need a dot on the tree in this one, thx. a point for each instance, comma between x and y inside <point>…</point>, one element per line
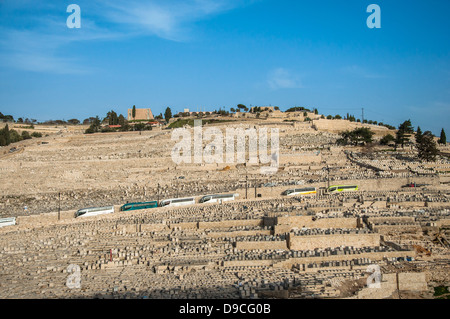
<point>387,139</point>
<point>26,135</point>
<point>427,147</point>
<point>124,126</point>
<point>6,118</point>
<point>418,135</point>
<point>7,135</point>
<point>233,110</point>
<point>14,136</point>
<point>112,118</point>
<point>168,114</point>
<point>133,112</point>
<point>361,135</point>
<point>405,130</point>
<point>443,138</point>
<point>95,126</point>
<point>73,121</point>
<point>96,123</point>
<point>121,120</point>
<point>298,109</point>
<point>89,121</point>
<point>241,106</point>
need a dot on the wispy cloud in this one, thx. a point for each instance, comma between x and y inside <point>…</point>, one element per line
<point>281,78</point>
<point>168,19</point>
<point>38,47</point>
<point>37,43</point>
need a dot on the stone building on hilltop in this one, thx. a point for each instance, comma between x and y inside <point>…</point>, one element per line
<point>141,114</point>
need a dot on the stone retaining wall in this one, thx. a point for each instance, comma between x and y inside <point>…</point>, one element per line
<point>331,241</point>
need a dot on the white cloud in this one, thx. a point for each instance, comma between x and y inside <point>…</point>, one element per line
<point>168,19</point>
<point>38,46</point>
<point>281,78</point>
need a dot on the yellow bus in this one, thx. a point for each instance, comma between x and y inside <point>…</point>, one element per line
<point>342,188</point>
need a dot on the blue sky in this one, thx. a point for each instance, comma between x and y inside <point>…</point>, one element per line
<point>202,54</point>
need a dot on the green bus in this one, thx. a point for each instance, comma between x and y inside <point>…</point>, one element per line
<point>342,188</point>
<point>136,206</point>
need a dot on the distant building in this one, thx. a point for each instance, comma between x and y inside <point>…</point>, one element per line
<point>141,114</point>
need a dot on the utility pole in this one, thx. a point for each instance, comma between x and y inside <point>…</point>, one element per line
<point>59,206</point>
<point>246,185</point>
<point>362,115</point>
<point>328,177</point>
<point>158,192</point>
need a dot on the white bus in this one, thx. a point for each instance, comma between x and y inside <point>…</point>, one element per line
<point>10,221</point>
<point>300,191</point>
<point>177,202</point>
<point>218,198</point>
<point>94,211</point>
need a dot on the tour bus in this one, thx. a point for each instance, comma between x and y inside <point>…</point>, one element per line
<point>218,198</point>
<point>9,221</point>
<point>342,188</point>
<point>136,206</point>
<point>300,191</point>
<point>94,211</point>
<point>177,202</point>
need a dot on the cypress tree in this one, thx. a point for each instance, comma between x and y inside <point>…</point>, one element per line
<point>443,138</point>
<point>2,137</point>
<point>7,135</point>
<point>168,114</point>
<point>418,135</point>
